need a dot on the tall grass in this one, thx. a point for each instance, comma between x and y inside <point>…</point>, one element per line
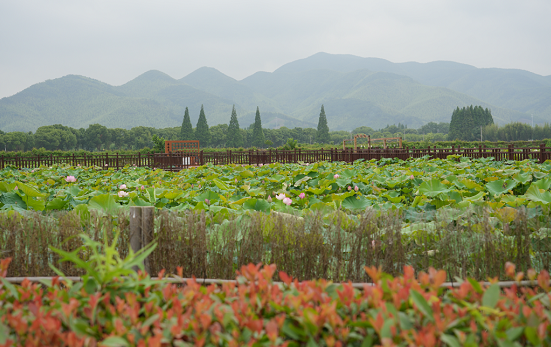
<point>334,247</point>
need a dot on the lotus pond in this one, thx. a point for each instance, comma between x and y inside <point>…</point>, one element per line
<point>414,185</point>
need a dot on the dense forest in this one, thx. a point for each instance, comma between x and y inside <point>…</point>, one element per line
<point>98,137</point>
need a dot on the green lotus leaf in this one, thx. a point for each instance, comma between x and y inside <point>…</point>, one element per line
<point>257,205</point>
<point>433,188</point>
<point>12,199</point>
<point>469,184</point>
<point>246,173</point>
<point>56,204</point>
<point>538,195</point>
<point>499,187</point>
<point>543,183</point>
<point>37,205</point>
<point>29,191</point>
<point>105,202</point>
<point>210,195</point>
<point>355,203</point>
<point>523,178</point>
<point>220,184</point>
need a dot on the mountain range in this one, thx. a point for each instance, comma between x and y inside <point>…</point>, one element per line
<point>355,91</point>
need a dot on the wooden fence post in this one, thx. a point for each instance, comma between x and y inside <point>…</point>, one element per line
<point>510,150</point>
<point>141,230</point>
<point>542,153</point>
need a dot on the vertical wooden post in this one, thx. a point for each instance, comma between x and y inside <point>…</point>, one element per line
<point>117,160</point>
<point>510,150</point>
<point>201,158</point>
<point>542,153</point>
<point>141,229</point>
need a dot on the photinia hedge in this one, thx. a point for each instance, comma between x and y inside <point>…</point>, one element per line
<point>115,306</point>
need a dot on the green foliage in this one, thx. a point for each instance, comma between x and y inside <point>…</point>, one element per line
<point>202,132</point>
<point>291,144</point>
<point>258,139</point>
<point>466,123</point>
<point>234,138</point>
<point>114,306</point>
<point>186,131</point>
<point>322,135</point>
<point>159,142</point>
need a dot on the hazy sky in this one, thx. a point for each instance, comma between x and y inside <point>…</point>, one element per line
<point>114,41</point>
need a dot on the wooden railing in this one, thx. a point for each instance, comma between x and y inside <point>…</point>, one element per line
<point>179,161</point>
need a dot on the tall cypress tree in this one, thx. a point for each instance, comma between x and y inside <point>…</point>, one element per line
<point>322,135</point>
<point>234,137</point>
<point>186,131</point>
<point>455,124</point>
<point>258,134</point>
<point>202,132</point>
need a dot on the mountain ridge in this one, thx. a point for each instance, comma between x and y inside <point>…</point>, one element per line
<point>355,91</point>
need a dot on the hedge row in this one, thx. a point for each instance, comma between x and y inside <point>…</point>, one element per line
<point>115,306</point>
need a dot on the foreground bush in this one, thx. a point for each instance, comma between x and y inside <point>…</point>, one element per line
<point>115,306</point>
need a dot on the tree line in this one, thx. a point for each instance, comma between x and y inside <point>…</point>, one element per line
<point>98,137</point>
<point>464,126</point>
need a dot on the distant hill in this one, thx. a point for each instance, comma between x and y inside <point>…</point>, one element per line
<point>355,91</point>
<point>513,89</point>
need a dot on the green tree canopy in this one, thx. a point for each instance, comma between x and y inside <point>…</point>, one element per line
<point>323,129</point>
<point>55,137</point>
<point>96,135</point>
<point>202,132</point>
<point>466,123</point>
<point>258,139</point>
<point>234,138</point>
<point>186,131</point>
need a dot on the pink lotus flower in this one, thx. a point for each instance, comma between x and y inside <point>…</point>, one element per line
<point>260,164</point>
<point>336,176</point>
<point>70,179</point>
<point>411,177</point>
<point>287,201</point>
<point>207,201</point>
<point>106,164</point>
<point>269,199</point>
<point>356,188</point>
<point>349,188</point>
<point>302,195</point>
<point>15,188</point>
<point>280,196</point>
<point>123,186</point>
<point>142,187</point>
<point>122,194</point>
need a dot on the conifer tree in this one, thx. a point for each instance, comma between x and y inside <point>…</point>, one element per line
<point>186,131</point>
<point>455,124</point>
<point>234,137</point>
<point>202,132</point>
<point>258,134</point>
<point>322,135</point>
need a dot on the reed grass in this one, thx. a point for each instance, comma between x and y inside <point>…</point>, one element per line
<point>332,246</point>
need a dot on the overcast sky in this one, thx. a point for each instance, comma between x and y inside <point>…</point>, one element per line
<point>114,41</point>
